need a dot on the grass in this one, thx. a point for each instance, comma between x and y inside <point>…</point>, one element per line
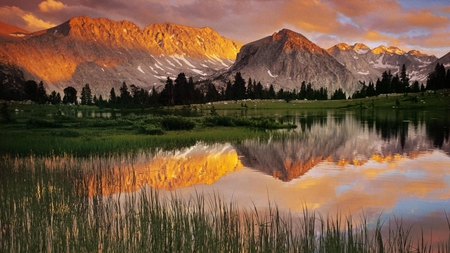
<point>45,207</point>
<point>43,130</point>
<point>85,136</point>
<point>427,100</point>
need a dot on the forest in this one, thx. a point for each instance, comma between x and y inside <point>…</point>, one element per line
<point>184,91</point>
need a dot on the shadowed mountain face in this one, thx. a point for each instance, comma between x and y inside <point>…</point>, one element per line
<point>105,53</point>
<point>367,64</point>
<point>286,59</point>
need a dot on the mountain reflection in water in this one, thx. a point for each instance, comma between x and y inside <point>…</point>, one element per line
<point>164,170</point>
<point>343,140</point>
<point>348,163</point>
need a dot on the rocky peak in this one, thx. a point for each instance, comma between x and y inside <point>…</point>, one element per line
<point>8,29</point>
<point>173,39</point>
<point>379,50</point>
<point>338,48</point>
<point>389,50</point>
<point>293,41</point>
<point>417,53</point>
<point>360,48</point>
<point>101,31</point>
<point>285,59</point>
<point>395,50</point>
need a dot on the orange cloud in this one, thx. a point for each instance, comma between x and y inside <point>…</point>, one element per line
<point>424,18</point>
<point>310,16</point>
<point>51,5</point>
<point>34,23</point>
<point>361,8</point>
<point>27,20</point>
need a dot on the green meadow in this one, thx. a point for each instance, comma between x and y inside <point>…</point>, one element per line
<point>46,207</point>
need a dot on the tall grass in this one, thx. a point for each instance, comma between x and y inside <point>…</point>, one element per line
<point>46,207</point>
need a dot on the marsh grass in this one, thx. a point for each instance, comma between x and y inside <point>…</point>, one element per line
<point>46,207</point>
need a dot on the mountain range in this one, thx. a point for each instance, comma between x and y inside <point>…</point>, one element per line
<point>106,53</point>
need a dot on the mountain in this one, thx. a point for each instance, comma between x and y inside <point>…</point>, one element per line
<point>368,64</point>
<point>423,73</point>
<point>286,59</point>
<point>105,53</point>
<point>9,33</point>
<point>352,57</point>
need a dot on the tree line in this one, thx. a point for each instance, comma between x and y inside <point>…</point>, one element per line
<point>389,83</point>
<point>183,91</point>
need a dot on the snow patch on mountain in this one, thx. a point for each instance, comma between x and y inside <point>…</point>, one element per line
<point>380,65</point>
<point>362,51</point>
<point>214,57</point>
<point>140,69</point>
<point>182,58</point>
<point>199,72</point>
<point>270,74</point>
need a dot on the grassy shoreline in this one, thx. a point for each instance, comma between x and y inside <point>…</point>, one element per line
<point>45,129</point>
<point>45,207</point>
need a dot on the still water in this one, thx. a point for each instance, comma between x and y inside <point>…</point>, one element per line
<point>391,166</point>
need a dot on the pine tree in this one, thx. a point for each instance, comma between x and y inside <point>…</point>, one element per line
<point>259,91</point>
<point>167,94</point>
<point>112,96</point>
<point>229,91</point>
<point>212,94</point>
<point>125,96</point>
<point>404,79</point>
<point>239,89</point>
<point>271,93</point>
<point>54,98</point>
<point>41,94</point>
<point>302,93</point>
<point>70,95</point>
<point>180,92</point>
<point>31,90</point>
<point>86,95</point>
<point>436,79</point>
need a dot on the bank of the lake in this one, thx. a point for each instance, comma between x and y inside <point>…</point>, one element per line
<point>85,130</point>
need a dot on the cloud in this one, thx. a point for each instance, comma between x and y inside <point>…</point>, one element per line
<point>34,23</point>
<point>350,21</point>
<point>26,20</point>
<point>51,5</point>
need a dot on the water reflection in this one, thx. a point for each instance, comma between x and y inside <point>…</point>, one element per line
<point>343,139</point>
<point>199,164</point>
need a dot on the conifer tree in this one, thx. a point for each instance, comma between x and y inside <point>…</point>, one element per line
<point>167,94</point>
<point>41,94</point>
<point>70,95</point>
<point>181,90</point>
<point>112,96</point>
<point>239,89</point>
<point>125,96</point>
<point>404,79</point>
<point>86,95</point>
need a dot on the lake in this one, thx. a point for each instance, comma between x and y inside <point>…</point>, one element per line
<point>390,167</point>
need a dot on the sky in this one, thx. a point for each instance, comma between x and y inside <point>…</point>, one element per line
<point>423,25</point>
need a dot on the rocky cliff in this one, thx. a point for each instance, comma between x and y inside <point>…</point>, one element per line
<point>368,64</point>
<point>286,59</point>
<point>105,53</point>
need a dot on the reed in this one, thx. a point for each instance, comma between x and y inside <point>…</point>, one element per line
<point>46,207</point>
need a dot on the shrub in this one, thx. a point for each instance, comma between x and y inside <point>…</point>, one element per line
<point>42,123</point>
<point>177,123</point>
<point>150,130</point>
<point>67,133</point>
<point>218,121</point>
